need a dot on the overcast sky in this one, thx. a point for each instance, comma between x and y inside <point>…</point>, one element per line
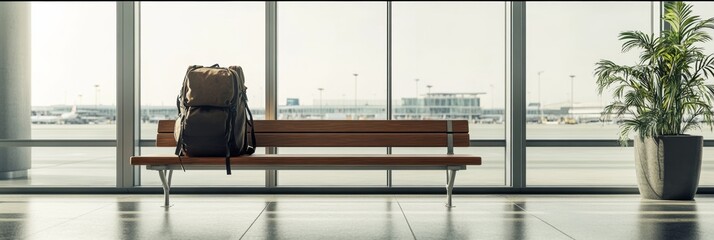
<point>452,46</point>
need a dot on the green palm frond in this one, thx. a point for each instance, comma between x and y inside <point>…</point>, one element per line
<point>665,93</point>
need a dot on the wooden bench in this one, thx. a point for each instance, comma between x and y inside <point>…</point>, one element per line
<point>332,133</point>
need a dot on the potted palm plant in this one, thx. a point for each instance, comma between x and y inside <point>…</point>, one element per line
<point>661,98</point>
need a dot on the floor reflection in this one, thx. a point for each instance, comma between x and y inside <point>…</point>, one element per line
<point>330,220</point>
<point>517,227</point>
<point>668,220</point>
<point>354,217</point>
<point>272,229</point>
<point>13,225</point>
<point>129,214</point>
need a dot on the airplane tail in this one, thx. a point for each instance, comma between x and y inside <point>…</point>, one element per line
<point>74,109</point>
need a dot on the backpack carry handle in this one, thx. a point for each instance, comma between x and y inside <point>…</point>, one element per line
<point>215,65</point>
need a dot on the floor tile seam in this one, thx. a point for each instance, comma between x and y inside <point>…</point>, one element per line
<point>549,224</point>
<point>62,164</point>
<point>255,220</point>
<point>506,197</point>
<point>66,221</point>
<point>405,218</point>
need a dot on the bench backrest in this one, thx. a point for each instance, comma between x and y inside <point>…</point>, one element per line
<point>346,133</point>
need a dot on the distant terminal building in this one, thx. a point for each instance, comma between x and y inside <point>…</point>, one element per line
<point>440,106</point>
<point>292,102</point>
<point>427,106</point>
<point>67,114</point>
<point>430,106</point>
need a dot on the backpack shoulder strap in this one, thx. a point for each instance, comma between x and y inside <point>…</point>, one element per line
<point>250,149</point>
<point>180,104</point>
<point>238,71</point>
<point>182,95</point>
<point>250,142</point>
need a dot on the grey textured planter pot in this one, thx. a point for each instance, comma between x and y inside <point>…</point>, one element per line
<point>668,167</point>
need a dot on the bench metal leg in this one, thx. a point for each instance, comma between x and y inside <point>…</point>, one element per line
<point>450,177</point>
<point>166,184</point>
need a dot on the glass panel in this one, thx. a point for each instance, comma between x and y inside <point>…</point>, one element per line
<point>66,166</point>
<point>227,33</point>
<point>593,166</point>
<point>77,100</point>
<point>332,60</point>
<point>201,177</point>
<point>332,65</point>
<point>706,178</point>
<point>332,178</point>
<point>448,64</point>
<point>490,173</point>
<point>564,42</point>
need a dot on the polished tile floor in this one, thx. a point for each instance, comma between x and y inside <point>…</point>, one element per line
<point>354,217</point>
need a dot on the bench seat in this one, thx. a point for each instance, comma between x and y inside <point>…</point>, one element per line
<point>330,133</point>
<point>317,159</point>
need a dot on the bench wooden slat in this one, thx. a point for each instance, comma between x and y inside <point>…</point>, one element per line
<point>166,126</point>
<point>345,126</point>
<point>321,159</point>
<point>343,140</point>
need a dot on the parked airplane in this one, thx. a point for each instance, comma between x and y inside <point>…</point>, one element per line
<point>64,118</point>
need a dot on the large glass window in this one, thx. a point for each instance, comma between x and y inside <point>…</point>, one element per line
<point>332,64</point>
<point>564,42</point>
<point>449,62</point>
<point>593,166</point>
<point>67,167</point>
<point>490,173</point>
<point>177,35</point>
<point>332,60</point>
<point>73,70</point>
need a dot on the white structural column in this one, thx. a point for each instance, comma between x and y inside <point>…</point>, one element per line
<point>15,87</point>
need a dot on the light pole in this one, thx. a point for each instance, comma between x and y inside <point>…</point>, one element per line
<point>96,95</point>
<point>493,97</point>
<point>572,96</point>
<point>540,103</point>
<point>416,82</point>
<point>416,99</point>
<point>428,100</point>
<point>80,99</point>
<point>355,110</point>
<point>321,114</point>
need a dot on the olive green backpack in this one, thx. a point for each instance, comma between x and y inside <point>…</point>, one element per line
<point>214,118</point>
